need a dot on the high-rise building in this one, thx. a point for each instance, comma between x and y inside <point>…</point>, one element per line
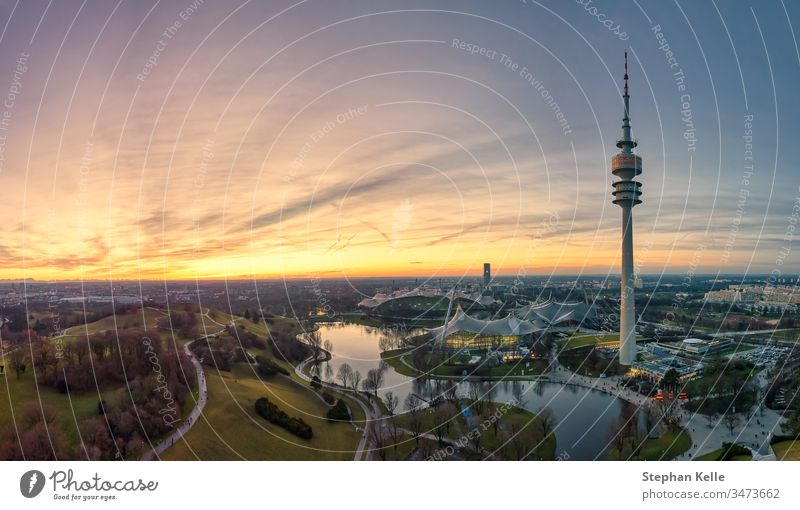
<point>487,274</point>
<point>627,192</point>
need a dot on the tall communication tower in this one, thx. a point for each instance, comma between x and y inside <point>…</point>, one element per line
<point>627,192</point>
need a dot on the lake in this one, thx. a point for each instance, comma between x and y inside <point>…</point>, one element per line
<point>583,416</point>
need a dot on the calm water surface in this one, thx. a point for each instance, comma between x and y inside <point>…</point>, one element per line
<point>583,416</point>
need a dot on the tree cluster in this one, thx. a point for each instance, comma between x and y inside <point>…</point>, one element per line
<point>287,347</point>
<point>152,387</point>
<point>227,348</point>
<point>268,368</point>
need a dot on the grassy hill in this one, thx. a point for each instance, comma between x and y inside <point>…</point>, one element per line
<point>229,428</point>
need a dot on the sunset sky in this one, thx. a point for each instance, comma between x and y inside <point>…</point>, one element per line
<point>199,139</point>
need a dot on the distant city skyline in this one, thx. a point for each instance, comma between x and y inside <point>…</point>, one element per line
<point>422,139</point>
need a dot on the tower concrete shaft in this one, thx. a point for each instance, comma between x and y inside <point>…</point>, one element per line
<point>627,192</point>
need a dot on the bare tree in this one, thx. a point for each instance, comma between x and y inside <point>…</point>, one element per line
<point>374,381</point>
<point>731,420</point>
<point>546,420</point>
<point>450,393</point>
<point>413,402</point>
<point>616,435</point>
<point>518,394</point>
<point>490,391</point>
<point>652,417</point>
<point>355,379</point>
<point>392,401</point>
<point>475,396</point>
<point>344,374</point>
<point>17,358</point>
<point>421,360</point>
<point>668,408</point>
<point>314,340</point>
<point>377,436</point>
<point>522,439</point>
<point>395,434</point>
<point>440,418</point>
<point>385,344</point>
<point>415,417</point>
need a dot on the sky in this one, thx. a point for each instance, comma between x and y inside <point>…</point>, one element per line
<point>192,139</point>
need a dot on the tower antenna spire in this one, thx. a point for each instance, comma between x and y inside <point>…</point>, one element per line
<point>626,143</point>
<point>626,74</point>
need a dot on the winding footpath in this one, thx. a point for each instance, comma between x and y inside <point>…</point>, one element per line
<point>184,427</point>
<point>372,414</point>
<point>177,434</point>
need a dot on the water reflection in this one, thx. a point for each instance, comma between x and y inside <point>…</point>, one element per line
<point>584,417</point>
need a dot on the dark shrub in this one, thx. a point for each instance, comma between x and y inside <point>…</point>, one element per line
<point>62,386</point>
<point>339,412</point>
<point>273,414</point>
<point>729,451</point>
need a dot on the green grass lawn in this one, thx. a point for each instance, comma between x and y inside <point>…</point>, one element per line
<point>735,349</point>
<point>593,366</point>
<point>262,329</point>
<point>392,358</point>
<point>137,319</point>
<point>787,450</point>
<point>666,447</point>
<point>583,339</point>
<point>231,430</point>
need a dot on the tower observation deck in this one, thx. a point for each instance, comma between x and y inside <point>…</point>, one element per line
<point>627,193</point>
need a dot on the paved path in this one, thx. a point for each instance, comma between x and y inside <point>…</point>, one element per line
<point>754,432</point>
<point>371,415</point>
<point>184,427</point>
<point>190,420</point>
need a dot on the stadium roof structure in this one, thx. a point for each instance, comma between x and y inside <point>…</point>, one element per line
<point>553,312</point>
<point>507,326</point>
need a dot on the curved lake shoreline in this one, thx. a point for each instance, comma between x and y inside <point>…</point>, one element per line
<point>584,415</point>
